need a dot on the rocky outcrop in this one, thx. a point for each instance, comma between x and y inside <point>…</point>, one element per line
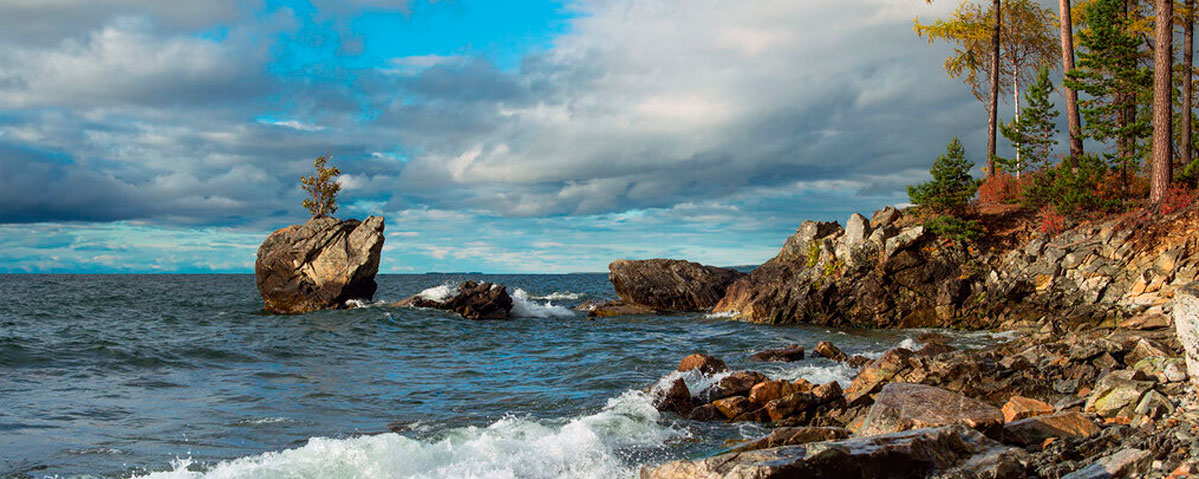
<point>670,285</point>
<point>471,300</point>
<point>1186,322</point>
<point>893,273</point>
<point>949,451</point>
<point>320,264</point>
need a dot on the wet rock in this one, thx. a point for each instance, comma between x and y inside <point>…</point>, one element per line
<point>477,301</point>
<point>912,454</point>
<point>1019,407</point>
<point>1120,464</point>
<point>904,406</point>
<point>784,355</point>
<point>736,384</point>
<point>872,377</point>
<point>320,264</point>
<point>857,361</point>
<point>734,406</point>
<point>767,391</point>
<point>607,309</point>
<point>791,405</point>
<point>830,351</point>
<point>670,285</point>
<point>704,363</point>
<point>933,349</point>
<point>794,436</point>
<point>1035,430</point>
<point>676,398</point>
<point>1117,393</point>
<point>706,412</point>
<point>827,392</point>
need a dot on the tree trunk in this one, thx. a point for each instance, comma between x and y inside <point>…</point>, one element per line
<point>1067,66</point>
<point>1188,61</point>
<point>1016,102</point>
<point>1162,65</point>
<point>992,122</point>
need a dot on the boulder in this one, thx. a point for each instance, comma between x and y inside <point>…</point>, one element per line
<point>828,350</point>
<point>827,392</point>
<point>912,454</point>
<point>1186,325</point>
<point>904,240</point>
<point>1120,464</point>
<point>733,407</point>
<point>704,363</point>
<point>794,436</point>
<point>739,383</point>
<point>857,229</point>
<point>1146,321</point>
<point>783,355</point>
<point>904,406</point>
<point>767,391</point>
<point>791,405</point>
<point>320,264</point>
<point>876,374</point>
<point>670,285</point>
<point>885,217</point>
<point>471,300</point>
<point>1020,407</point>
<point>675,398</point>
<point>1118,393</point>
<point>1034,431</point>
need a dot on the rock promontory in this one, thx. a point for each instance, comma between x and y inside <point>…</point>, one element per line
<point>670,285</point>
<point>320,264</point>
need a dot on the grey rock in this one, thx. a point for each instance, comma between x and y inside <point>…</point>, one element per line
<point>320,264</point>
<point>1119,464</point>
<point>857,229</point>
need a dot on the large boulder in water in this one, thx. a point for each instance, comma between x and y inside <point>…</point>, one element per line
<point>470,300</point>
<point>670,285</point>
<point>320,264</point>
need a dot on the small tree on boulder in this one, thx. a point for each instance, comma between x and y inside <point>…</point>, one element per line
<point>952,187</point>
<point>322,188</point>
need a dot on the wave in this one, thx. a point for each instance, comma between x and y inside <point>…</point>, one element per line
<point>589,447</point>
<point>559,296</point>
<point>439,293</point>
<point>524,307</point>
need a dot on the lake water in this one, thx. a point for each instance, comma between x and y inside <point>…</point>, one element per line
<point>182,376</point>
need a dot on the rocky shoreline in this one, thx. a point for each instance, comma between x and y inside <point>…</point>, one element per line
<point>1101,402</point>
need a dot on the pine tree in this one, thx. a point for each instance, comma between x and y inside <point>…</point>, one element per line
<point>952,186</point>
<point>1034,132</point>
<point>1111,73</point>
<point>322,188</point>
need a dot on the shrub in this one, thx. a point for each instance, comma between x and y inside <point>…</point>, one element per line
<point>322,188</point>
<point>951,187</point>
<point>954,228</point>
<point>1176,199</point>
<point>1052,222</point>
<point>1000,188</point>
<point>1073,191</point>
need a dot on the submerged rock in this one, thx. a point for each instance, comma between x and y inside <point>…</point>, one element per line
<point>670,285</point>
<point>471,300</point>
<point>911,454</point>
<point>320,264</point>
<point>607,309</point>
<point>704,363</point>
<point>788,354</point>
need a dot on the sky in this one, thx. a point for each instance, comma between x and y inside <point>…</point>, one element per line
<point>145,136</point>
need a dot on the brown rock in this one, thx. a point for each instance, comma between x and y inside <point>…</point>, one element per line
<point>767,391</point>
<point>828,350</point>
<point>320,264</point>
<point>790,405</point>
<point>1020,407</point>
<point>670,285</point>
<point>706,412</point>
<point>1035,430</point>
<point>477,301</point>
<point>876,374</point>
<point>933,349</point>
<point>904,406</point>
<point>618,307</point>
<point>783,355</point>
<point>857,361</point>
<point>827,392</point>
<point>1145,349</point>
<point>794,436</point>
<point>675,398</point>
<point>704,363</point>
<point>733,406</point>
<point>953,451</point>
<point>736,384</point>
<point>1147,321</point>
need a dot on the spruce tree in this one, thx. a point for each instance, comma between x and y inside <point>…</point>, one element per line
<point>952,186</point>
<point>1034,132</point>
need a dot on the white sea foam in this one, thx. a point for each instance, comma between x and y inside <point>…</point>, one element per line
<point>721,315</point>
<point>524,307</point>
<point>439,293</point>
<point>697,382</point>
<point>840,372</point>
<point>559,296</point>
<point>588,447</point>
